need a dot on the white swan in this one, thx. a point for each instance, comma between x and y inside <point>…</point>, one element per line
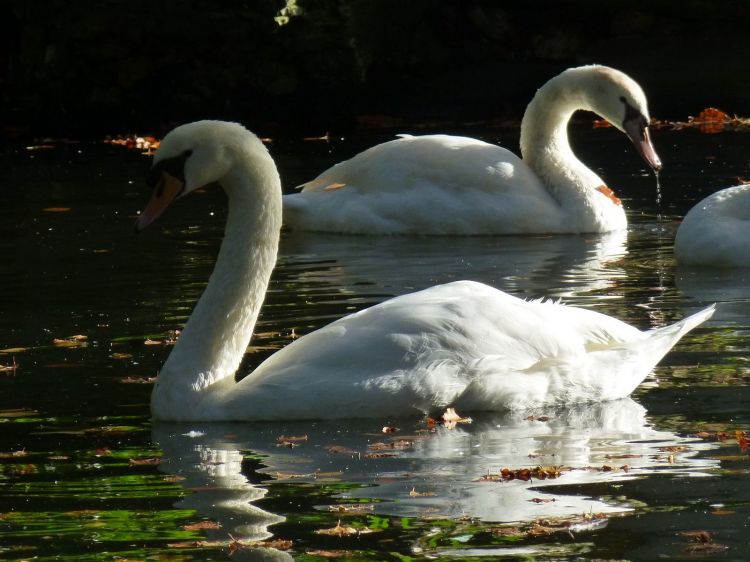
<point>716,231</point>
<point>441,184</point>
<point>463,343</point>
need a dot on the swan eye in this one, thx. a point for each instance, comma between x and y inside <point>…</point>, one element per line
<point>174,166</point>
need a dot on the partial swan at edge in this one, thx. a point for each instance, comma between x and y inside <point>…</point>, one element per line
<point>716,231</point>
<point>463,344</point>
<point>442,184</point>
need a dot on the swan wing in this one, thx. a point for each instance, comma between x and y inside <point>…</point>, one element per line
<point>433,184</point>
<point>462,343</point>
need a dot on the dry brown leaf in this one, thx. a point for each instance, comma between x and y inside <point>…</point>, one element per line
<point>71,341</point>
<point>56,209</point>
<point>330,553</point>
<point>152,461</point>
<point>389,429</point>
<point>341,450</point>
<point>341,531</point>
<point>12,368</point>
<point>138,380</point>
<point>201,525</point>
<point>14,454</point>
<point>351,508</point>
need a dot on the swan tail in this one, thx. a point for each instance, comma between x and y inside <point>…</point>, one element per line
<point>631,363</point>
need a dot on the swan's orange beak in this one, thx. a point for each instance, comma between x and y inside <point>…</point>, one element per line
<point>638,133</point>
<point>166,190</point>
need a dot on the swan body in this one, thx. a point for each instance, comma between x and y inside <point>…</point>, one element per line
<point>450,185</point>
<point>716,231</point>
<point>461,344</point>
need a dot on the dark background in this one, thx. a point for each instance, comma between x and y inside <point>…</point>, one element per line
<point>88,68</point>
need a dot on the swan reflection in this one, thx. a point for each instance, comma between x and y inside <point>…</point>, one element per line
<point>586,441</point>
<point>730,287</point>
<point>533,265</point>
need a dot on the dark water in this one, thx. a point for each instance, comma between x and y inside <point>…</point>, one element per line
<point>84,475</point>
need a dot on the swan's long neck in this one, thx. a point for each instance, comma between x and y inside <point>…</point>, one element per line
<point>218,331</point>
<point>546,149</point>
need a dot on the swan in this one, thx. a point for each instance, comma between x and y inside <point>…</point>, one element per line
<point>716,231</point>
<point>461,344</point>
<point>451,185</point>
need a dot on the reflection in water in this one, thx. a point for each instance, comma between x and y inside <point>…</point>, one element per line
<point>212,472</point>
<point>522,265</point>
<point>446,463</point>
<point>730,287</point>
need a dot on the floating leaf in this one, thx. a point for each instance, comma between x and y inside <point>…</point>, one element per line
<point>56,209</point>
<point>138,380</point>
<point>389,429</point>
<point>340,450</point>
<point>152,461</point>
<point>343,531</point>
<point>71,341</point>
<point>523,474</point>
<point>201,525</point>
<point>351,508</point>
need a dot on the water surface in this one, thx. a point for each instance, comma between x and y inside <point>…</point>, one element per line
<point>84,475</point>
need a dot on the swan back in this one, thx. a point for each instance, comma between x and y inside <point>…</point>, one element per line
<point>715,232</point>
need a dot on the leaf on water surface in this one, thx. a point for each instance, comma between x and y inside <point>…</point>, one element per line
<point>415,494</point>
<point>138,380</point>
<point>58,458</point>
<point>13,454</point>
<point>538,418</point>
<point>341,450</point>
<point>144,144</point>
<point>703,542</point>
<point>56,209</point>
<point>12,368</point>
<point>351,508</point>
<point>673,449</point>
<point>549,526</point>
<point>523,474</point>
<point>720,511</point>
<point>14,350</point>
<point>451,418</point>
<point>344,531</point>
<point>741,440</point>
<point>71,341</point>
<point>542,500</point>
<point>18,413</point>
<point>379,455</point>
<point>119,355</point>
<point>102,452</point>
<point>201,525</point>
<point>397,444</point>
<point>713,435</point>
<point>151,461</point>
<point>170,339</point>
<point>173,478</point>
<point>290,441</point>
<point>331,553</point>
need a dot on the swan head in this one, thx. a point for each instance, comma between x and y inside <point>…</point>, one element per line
<point>620,100</point>
<point>189,157</point>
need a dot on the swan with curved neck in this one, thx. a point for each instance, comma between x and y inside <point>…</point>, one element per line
<point>462,344</point>
<point>441,184</point>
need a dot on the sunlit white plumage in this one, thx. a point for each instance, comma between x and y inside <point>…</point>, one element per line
<point>463,344</point>
<point>442,184</point>
<point>716,231</point>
